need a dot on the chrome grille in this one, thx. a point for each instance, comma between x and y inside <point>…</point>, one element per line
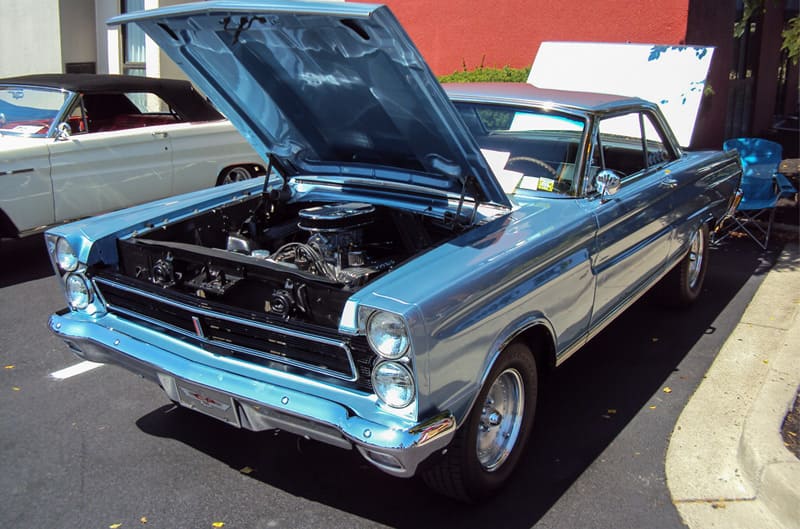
<point>344,358</point>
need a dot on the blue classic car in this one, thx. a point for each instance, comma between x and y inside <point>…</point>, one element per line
<point>419,258</point>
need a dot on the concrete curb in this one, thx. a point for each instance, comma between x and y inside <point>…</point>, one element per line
<point>726,463</point>
<point>766,462</point>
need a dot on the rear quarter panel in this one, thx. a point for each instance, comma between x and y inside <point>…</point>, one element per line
<point>200,151</point>
<point>706,183</point>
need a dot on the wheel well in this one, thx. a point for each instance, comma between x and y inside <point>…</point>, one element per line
<point>542,345</point>
<point>7,227</point>
<point>254,168</point>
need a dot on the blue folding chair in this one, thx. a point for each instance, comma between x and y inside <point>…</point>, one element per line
<point>760,188</point>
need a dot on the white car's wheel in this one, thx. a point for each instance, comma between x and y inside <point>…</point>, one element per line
<point>236,173</point>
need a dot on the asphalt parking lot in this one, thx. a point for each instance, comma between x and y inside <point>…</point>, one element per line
<point>102,447</point>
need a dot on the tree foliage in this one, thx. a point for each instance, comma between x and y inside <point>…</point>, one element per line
<point>790,33</point>
<point>791,39</point>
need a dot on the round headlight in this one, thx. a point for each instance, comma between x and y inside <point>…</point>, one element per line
<point>387,335</point>
<point>393,384</point>
<point>79,295</point>
<point>66,258</point>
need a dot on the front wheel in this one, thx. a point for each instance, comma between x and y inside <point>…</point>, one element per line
<point>236,173</point>
<point>488,445</point>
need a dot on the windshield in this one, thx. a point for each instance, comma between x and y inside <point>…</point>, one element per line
<point>530,151</point>
<point>29,111</point>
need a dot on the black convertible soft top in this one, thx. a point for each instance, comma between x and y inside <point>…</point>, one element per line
<point>180,95</point>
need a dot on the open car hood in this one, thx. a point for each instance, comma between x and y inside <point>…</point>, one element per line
<point>326,87</point>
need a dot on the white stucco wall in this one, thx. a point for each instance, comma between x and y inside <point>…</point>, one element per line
<point>168,68</point>
<point>30,37</point>
<point>77,44</point>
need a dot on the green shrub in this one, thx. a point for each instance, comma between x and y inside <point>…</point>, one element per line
<point>506,74</point>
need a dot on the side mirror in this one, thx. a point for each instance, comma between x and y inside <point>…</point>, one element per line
<point>607,182</point>
<point>63,131</point>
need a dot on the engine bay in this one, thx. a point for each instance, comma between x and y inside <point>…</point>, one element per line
<point>275,260</point>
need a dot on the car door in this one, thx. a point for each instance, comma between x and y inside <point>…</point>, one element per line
<point>633,235</point>
<point>108,166</point>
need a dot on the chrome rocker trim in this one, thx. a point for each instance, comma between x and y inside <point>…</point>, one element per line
<point>264,406</point>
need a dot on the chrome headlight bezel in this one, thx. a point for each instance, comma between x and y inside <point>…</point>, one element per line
<point>387,334</point>
<point>79,291</point>
<point>394,384</point>
<point>65,256</point>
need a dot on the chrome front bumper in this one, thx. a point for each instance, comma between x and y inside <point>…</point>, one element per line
<point>397,449</point>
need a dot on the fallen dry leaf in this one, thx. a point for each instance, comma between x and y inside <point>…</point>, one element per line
<point>115,526</point>
<point>9,366</point>
<point>652,407</point>
<point>15,388</point>
<point>612,411</point>
<point>246,470</point>
<point>667,389</point>
<point>218,524</point>
<point>143,519</point>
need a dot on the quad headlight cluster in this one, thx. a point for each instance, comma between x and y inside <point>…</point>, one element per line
<point>67,264</point>
<point>392,379</point>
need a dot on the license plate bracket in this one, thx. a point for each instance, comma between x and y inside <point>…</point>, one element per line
<point>208,401</point>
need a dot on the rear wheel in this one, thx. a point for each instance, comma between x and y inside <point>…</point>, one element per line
<point>683,284</point>
<point>236,173</point>
<point>488,445</point>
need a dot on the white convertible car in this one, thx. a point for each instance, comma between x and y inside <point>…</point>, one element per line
<point>75,145</point>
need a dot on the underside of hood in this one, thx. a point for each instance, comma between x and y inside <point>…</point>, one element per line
<point>326,87</point>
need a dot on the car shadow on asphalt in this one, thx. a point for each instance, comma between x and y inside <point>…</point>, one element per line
<point>584,405</point>
<point>23,260</point>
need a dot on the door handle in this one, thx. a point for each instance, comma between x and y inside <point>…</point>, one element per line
<point>668,183</point>
<point>160,134</point>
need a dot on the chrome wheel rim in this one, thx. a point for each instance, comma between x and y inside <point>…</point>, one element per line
<point>501,419</point>
<point>696,257</point>
<point>237,174</point>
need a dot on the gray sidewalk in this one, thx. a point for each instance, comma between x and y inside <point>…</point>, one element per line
<point>727,466</point>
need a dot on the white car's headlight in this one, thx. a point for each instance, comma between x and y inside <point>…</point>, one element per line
<point>79,294</point>
<point>387,334</point>
<point>393,384</point>
<point>66,258</point>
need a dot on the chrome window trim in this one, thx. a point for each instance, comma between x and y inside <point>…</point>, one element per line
<point>233,319</point>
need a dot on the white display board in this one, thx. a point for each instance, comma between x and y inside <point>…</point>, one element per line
<point>672,76</point>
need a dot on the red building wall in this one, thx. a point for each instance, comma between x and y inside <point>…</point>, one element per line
<point>451,33</point>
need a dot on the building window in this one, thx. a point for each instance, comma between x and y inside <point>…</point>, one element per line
<point>133,52</point>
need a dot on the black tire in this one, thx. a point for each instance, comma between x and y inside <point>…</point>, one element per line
<point>237,173</point>
<point>467,473</point>
<point>683,284</point>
